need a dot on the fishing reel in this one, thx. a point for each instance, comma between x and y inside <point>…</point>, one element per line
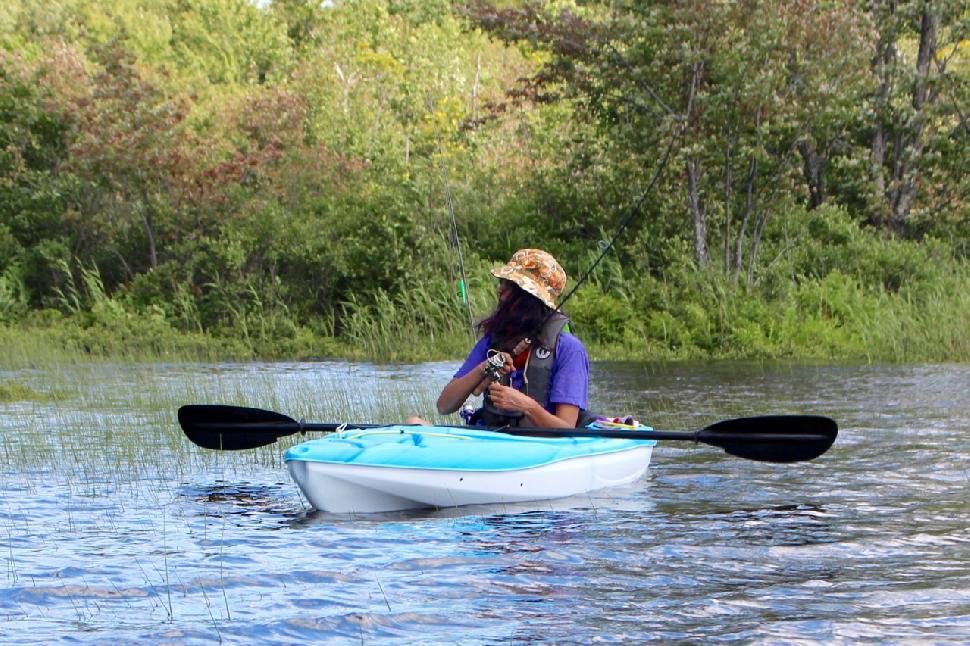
<point>494,364</point>
<point>496,361</point>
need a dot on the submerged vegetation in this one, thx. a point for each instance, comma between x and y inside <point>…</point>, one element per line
<point>228,179</point>
<point>14,391</point>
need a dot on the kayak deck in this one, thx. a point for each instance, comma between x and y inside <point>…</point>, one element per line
<point>406,467</point>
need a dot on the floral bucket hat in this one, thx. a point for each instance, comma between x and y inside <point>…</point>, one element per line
<point>537,272</point>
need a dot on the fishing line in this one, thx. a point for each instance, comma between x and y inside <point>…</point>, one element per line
<point>463,281</point>
<point>607,245</point>
<point>624,224</point>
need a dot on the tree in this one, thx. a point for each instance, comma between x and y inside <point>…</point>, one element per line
<point>733,89</point>
<point>913,104</point>
<point>228,41</point>
<point>35,190</point>
<point>127,145</point>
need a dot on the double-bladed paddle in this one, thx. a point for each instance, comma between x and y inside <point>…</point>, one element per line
<point>769,438</point>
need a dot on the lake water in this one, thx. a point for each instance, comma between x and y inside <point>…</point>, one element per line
<point>114,529</point>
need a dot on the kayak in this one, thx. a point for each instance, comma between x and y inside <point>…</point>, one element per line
<point>397,467</point>
<point>363,468</point>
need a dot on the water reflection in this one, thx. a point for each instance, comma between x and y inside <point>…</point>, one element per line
<point>237,498</point>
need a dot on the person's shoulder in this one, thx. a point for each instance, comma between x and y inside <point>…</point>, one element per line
<point>569,342</point>
<point>483,341</point>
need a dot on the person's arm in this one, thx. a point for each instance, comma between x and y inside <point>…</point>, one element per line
<point>470,380</point>
<point>458,389</point>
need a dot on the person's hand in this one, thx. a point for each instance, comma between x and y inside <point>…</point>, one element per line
<point>508,398</point>
<point>507,365</point>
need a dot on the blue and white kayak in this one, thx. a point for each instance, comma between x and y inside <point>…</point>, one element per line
<point>406,467</point>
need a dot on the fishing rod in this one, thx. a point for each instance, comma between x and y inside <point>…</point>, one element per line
<point>621,229</point>
<point>624,224</point>
<point>495,361</point>
<point>463,280</point>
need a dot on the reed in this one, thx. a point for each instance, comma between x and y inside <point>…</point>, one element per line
<point>930,325</point>
<point>114,419</point>
<point>835,317</point>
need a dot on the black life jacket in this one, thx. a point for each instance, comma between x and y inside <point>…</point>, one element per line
<point>537,376</point>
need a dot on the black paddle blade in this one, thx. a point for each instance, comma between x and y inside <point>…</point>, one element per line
<point>233,428</point>
<point>773,438</point>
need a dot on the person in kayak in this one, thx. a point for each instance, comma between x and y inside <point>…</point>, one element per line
<point>530,371</point>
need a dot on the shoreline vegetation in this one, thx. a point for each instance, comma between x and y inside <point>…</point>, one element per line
<point>833,319</point>
<point>235,180</point>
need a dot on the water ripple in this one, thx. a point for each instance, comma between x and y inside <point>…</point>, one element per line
<point>114,529</point>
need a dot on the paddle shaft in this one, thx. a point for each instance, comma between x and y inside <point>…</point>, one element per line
<point>297,427</point>
<point>529,431</point>
<point>767,438</point>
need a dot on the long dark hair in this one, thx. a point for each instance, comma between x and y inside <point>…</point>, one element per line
<point>517,315</point>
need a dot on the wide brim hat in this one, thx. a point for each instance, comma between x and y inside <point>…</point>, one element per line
<point>536,272</point>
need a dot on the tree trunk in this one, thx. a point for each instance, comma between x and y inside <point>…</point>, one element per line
<point>813,168</point>
<point>877,160</point>
<point>478,73</point>
<point>882,64</point>
<point>756,243</point>
<point>694,202</point>
<point>698,217</point>
<point>150,234</point>
<point>899,137</point>
<point>906,183</point>
<point>745,219</point>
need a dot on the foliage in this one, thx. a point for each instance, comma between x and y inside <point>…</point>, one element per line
<point>247,179</point>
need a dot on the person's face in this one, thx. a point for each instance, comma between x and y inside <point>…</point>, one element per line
<point>504,289</point>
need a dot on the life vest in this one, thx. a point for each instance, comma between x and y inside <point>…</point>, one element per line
<point>536,377</point>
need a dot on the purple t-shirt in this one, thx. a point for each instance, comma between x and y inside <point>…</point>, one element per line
<point>570,371</point>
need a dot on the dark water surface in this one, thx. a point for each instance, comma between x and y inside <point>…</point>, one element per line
<point>113,529</point>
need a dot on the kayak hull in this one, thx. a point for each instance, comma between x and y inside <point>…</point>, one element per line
<point>406,469</point>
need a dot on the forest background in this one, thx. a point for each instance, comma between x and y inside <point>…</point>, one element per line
<point>228,179</point>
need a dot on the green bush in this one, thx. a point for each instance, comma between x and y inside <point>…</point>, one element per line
<point>837,243</point>
<point>604,318</point>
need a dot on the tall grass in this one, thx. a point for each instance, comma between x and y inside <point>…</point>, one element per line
<point>835,317</point>
<point>119,420</point>
<point>888,304</point>
<point>68,341</point>
<point>933,325</point>
<point>425,322</point>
